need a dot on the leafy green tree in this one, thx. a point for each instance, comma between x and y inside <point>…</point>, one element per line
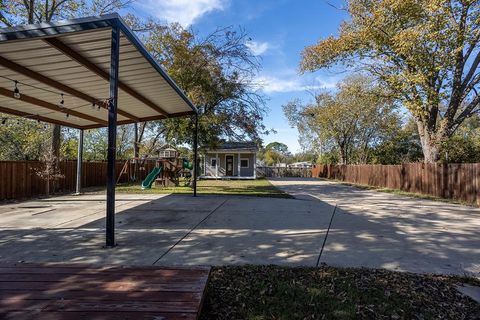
<point>217,72</point>
<point>426,51</point>
<point>274,153</point>
<point>353,120</point>
<point>402,146</point>
<point>329,157</point>
<point>305,156</point>
<point>278,147</point>
<point>464,145</point>
<point>22,139</point>
<point>15,12</point>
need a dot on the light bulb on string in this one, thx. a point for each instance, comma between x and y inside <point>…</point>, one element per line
<point>67,115</point>
<point>16,91</point>
<point>4,120</point>
<point>62,102</point>
<point>93,105</point>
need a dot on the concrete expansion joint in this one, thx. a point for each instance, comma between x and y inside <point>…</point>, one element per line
<point>190,231</point>
<point>326,235</point>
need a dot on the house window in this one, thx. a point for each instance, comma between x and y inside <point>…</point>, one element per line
<point>213,162</point>
<point>244,163</point>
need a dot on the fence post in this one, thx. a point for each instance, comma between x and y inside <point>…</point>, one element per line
<point>445,192</point>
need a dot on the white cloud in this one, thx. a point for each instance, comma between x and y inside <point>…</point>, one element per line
<point>292,83</point>
<point>258,48</point>
<point>184,12</point>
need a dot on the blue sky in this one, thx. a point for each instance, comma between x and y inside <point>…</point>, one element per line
<point>279,29</point>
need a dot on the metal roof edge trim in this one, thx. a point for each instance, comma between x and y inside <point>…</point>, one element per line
<point>50,29</point>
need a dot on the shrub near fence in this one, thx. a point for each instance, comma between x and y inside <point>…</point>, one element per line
<point>450,181</point>
<point>279,172</point>
<point>19,180</point>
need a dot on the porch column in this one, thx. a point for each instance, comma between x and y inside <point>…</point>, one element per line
<point>216,165</point>
<point>255,165</point>
<point>238,164</point>
<point>79,162</point>
<point>204,164</point>
<point>112,136</point>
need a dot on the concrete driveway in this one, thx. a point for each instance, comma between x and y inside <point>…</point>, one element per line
<point>368,229</point>
<point>381,230</point>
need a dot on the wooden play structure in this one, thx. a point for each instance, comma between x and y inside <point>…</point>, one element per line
<point>165,170</point>
<point>169,168</point>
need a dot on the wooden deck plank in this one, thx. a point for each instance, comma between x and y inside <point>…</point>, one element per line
<point>85,292</point>
<point>29,277</point>
<point>159,296</point>
<point>75,269</point>
<point>14,304</point>
<point>97,316</point>
<point>101,286</point>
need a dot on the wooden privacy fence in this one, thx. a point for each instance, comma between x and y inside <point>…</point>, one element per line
<point>19,179</point>
<point>450,181</point>
<point>273,172</point>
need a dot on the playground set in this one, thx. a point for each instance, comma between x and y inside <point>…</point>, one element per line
<point>169,168</point>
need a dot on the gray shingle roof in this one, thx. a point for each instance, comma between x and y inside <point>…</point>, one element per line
<point>248,145</point>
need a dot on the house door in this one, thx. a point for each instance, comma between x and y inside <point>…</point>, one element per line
<point>229,166</point>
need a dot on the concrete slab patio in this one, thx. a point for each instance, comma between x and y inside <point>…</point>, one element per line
<point>382,230</point>
<point>165,230</point>
<point>369,229</point>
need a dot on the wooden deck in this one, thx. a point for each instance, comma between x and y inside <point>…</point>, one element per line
<point>72,292</point>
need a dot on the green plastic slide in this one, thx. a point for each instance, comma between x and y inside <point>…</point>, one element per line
<point>147,183</point>
<point>187,164</point>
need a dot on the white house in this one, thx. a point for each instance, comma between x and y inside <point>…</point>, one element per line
<point>230,160</point>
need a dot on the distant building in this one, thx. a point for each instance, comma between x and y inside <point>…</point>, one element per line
<point>280,165</point>
<point>303,164</point>
<point>230,160</point>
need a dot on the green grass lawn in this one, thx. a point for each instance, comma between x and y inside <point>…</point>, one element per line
<point>282,293</point>
<point>256,188</point>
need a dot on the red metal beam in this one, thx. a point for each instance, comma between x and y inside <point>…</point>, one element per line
<point>55,84</point>
<point>59,45</point>
<point>37,117</point>
<point>51,106</point>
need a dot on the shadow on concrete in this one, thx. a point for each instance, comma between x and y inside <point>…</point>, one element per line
<point>377,229</point>
<point>241,230</point>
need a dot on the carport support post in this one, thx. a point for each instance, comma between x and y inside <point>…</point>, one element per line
<point>79,162</point>
<point>112,136</point>
<point>195,156</point>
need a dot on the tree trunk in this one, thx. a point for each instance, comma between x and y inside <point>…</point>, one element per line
<point>56,135</point>
<point>343,154</point>
<point>430,144</point>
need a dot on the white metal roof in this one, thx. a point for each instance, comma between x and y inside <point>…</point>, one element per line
<point>73,57</point>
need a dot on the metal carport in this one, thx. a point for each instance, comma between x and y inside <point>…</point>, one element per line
<point>87,73</point>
